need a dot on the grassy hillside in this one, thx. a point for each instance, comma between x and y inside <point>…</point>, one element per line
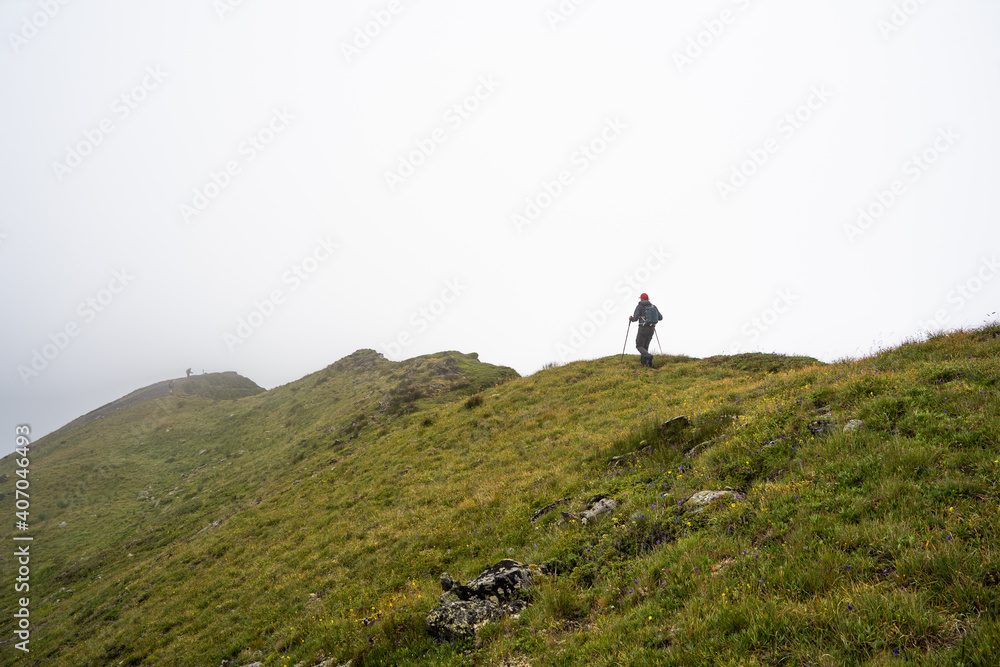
<point>314,520</point>
<point>211,385</point>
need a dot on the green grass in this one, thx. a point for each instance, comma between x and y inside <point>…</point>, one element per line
<point>314,520</point>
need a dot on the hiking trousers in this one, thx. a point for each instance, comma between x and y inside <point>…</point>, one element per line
<point>642,340</point>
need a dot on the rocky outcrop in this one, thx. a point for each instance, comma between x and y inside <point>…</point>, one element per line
<point>671,431</point>
<point>537,514</point>
<point>674,427</point>
<point>498,583</point>
<point>631,457</point>
<point>820,426</point>
<point>461,619</point>
<point>698,449</point>
<point>596,506</point>
<point>494,593</point>
<point>699,501</point>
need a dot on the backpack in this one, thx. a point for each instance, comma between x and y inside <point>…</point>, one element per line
<point>651,316</point>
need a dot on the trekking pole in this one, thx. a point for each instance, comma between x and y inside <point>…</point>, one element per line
<point>626,340</point>
<point>658,342</point>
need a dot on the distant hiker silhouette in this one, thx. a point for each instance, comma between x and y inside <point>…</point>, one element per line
<point>188,372</point>
<point>647,315</point>
<point>171,387</point>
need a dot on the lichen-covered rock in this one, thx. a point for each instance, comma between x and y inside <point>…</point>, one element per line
<point>329,662</point>
<point>458,620</point>
<point>494,593</point>
<point>501,582</point>
<point>853,425</point>
<point>702,499</point>
<point>602,506</point>
<point>820,426</point>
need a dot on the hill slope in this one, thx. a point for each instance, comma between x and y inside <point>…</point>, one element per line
<point>314,520</point>
<point>210,385</point>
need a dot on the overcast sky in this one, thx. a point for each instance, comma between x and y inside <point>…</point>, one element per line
<point>267,187</point>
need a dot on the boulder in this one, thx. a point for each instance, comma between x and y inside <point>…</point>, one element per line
<point>501,582</point>
<point>494,593</point>
<point>460,620</point>
<point>853,425</point>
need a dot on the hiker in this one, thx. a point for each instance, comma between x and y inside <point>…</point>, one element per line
<point>647,315</point>
<point>171,387</point>
<point>188,372</point>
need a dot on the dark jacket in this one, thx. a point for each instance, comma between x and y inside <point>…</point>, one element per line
<point>640,311</point>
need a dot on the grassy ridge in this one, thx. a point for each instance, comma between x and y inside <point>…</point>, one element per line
<point>313,520</point>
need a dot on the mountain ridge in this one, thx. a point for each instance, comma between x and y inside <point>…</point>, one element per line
<point>313,521</point>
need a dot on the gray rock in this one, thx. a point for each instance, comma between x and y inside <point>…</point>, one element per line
<point>603,506</point>
<point>548,508</point>
<point>631,457</point>
<point>501,582</point>
<point>853,425</point>
<point>594,500</point>
<point>494,593</point>
<point>458,620</point>
<point>820,426</point>
<point>332,662</point>
<point>697,449</point>
<point>699,501</point>
<point>448,598</point>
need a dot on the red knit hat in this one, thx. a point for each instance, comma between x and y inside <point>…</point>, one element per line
<point>644,297</point>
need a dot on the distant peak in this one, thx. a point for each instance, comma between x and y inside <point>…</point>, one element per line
<point>358,361</point>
